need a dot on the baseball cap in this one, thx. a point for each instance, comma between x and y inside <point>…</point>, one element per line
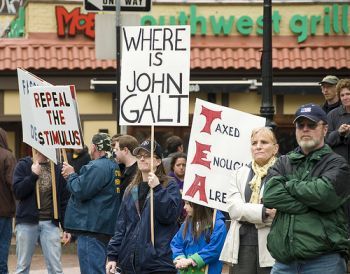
<point>102,141</point>
<point>146,145</point>
<point>329,79</point>
<point>312,112</point>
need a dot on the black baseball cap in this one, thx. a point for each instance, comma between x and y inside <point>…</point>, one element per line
<point>312,112</point>
<point>146,145</point>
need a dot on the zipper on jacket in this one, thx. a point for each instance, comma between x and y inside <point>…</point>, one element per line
<point>291,235</point>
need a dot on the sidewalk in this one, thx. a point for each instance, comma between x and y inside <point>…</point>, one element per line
<point>70,261</point>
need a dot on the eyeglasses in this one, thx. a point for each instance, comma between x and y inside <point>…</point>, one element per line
<point>309,125</point>
<point>144,156</point>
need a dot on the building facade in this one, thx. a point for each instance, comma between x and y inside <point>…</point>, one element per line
<point>55,41</point>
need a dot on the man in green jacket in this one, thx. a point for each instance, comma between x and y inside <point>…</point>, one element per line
<point>309,187</point>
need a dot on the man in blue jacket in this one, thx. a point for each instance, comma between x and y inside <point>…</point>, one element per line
<point>92,209</point>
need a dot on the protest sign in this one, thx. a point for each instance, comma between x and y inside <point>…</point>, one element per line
<point>25,81</point>
<point>219,144</point>
<point>56,120</point>
<point>155,71</point>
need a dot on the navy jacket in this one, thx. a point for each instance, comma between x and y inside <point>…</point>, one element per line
<point>131,245</point>
<point>24,182</point>
<point>93,206</point>
<point>339,144</point>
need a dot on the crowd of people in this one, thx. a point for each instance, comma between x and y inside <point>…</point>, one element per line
<point>120,200</point>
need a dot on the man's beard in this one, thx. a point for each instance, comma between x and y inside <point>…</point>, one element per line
<point>309,145</point>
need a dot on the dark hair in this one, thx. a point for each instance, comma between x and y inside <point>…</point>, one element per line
<point>175,157</point>
<point>172,143</point>
<point>128,141</point>
<point>201,221</point>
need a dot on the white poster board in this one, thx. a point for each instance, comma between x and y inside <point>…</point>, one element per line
<point>25,81</point>
<point>219,144</point>
<point>155,74</point>
<point>56,117</point>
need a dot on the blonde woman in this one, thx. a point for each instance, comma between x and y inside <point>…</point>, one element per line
<point>245,245</point>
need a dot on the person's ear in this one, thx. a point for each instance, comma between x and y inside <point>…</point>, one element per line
<point>276,149</point>
<point>325,130</point>
<point>181,148</point>
<point>158,161</point>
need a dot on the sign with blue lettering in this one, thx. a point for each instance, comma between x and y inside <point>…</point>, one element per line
<point>125,5</point>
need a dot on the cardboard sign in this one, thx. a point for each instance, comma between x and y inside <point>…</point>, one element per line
<point>56,119</point>
<point>25,81</point>
<point>155,72</point>
<point>219,144</point>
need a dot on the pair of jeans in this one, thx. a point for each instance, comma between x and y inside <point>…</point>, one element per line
<point>92,255</point>
<point>331,263</point>
<point>5,241</point>
<point>48,235</point>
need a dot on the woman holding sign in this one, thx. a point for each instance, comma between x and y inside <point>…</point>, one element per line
<point>131,248</point>
<point>245,245</point>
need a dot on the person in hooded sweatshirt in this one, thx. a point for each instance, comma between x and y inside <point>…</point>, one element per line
<point>7,208</point>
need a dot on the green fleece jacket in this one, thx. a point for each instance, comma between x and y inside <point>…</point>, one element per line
<point>309,193</point>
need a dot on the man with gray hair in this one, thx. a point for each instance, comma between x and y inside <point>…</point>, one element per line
<point>93,207</point>
<point>309,188</point>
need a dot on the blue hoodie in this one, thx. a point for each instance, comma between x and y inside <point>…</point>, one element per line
<point>200,251</point>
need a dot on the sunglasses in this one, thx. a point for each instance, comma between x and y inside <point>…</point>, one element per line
<point>145,156</point>
<point>309,125</point>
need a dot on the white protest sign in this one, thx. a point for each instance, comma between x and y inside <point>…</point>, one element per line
<point>219,144</point>
<point>155,74</point>
<point>25,81</point>
<point>56,117</point>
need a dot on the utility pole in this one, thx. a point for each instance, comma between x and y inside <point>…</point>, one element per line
<point>267,109</point>
<point>118,69</point>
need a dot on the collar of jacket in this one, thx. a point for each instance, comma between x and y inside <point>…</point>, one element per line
<point>297,155</point>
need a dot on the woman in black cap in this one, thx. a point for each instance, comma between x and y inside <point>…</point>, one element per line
<point>131,248</point>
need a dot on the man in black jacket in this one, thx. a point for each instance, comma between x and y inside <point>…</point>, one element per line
<point>123,148</point>
<point>329,91</point>
<point>35,221</point>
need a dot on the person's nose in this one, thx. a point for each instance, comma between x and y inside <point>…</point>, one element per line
<point>258,146</point>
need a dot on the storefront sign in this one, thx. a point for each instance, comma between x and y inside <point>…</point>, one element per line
<point>210,163</point>
<point>155,74</point>
<point>74,22</point>
<point>334,20</point>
